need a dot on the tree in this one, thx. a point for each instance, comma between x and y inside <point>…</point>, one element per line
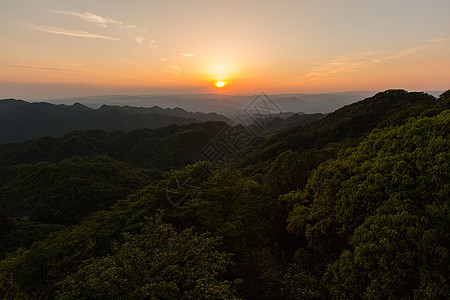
<point>445,95</point>
<point>396,209</point>
<point>159,263</point>
<point>9,289</point>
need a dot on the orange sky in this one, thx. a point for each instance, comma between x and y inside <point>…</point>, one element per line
<point>111,46</point>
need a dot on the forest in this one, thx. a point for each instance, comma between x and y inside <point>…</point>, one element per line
<point>353,204</point>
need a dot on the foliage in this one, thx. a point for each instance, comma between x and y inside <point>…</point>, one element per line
<point>160,148</point>
<point>9,289</point>
<point>17,233</point>
<point>445,96</point>
<point>268,125</point>
<point>396,209</point>
<point>64,192</point>
<point>355,205</point>
<point>314,215</point>
<point>159,263</point>
<point>385,207</point>
<point>346,126</point>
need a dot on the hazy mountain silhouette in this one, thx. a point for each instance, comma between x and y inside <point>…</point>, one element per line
<point>7,105</point>
<point>21,120</point>
<point>228,105</point>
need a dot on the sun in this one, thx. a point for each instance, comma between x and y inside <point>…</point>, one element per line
<point>220,84</point>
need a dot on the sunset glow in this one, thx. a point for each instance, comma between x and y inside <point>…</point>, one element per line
<point>60,49</point>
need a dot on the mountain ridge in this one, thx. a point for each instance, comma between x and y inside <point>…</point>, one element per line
<point>21,120</point>
<point>293,213</point>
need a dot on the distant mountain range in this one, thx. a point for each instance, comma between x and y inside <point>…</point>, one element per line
<point>21,120</point>
<point>228,105</point>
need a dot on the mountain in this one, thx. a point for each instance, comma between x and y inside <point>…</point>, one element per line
<point>97,167</point>
<point>268,125</point>
<point>162,148</point>
<point>20,120</point>
<point>69,189</point>
<point>177,112</point>
<point>7,105</point>
<point>352,205</point>
<point>228,105</point>
<point>347,125</point>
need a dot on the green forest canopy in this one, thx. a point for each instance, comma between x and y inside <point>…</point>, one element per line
<point>357,212</point>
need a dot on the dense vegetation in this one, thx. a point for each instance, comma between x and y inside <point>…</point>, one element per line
<point>162,148</point>
<point>63,192</point>
<point>354,205</point>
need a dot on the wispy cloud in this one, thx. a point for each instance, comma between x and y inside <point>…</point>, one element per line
<point>183,54</point>
<point>360,60</point>
<point>140,39</point>
<point>443,39</point>
<point>139,34</point>
<point>152,45</point>
<point>342,65</point>
<point>69,32</point>
<point>46,68</point>
<point>175,70</point>
<point>93,18</point>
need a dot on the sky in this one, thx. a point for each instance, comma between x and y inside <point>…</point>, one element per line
<point>62,48</point>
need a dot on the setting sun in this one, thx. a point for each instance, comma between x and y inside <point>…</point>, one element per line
<point>221,83</point>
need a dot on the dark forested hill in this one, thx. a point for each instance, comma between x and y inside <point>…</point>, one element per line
<point>7,105</point>
<point>20,120</point>
<point>61,179</point>
<point>354,205</point>
<point>162,148</point>
<point>267,126</point>
<point>348,125</point>
<point>175,112</point>
<point>63,192</point>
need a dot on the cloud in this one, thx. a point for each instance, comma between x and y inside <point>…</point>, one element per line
<point>69,32</point>
<point>342,65</point>
<point>92,18</point>
<point>46,68</point>
<point>152,45</point>
<point>439,40</point>
<point>140,39</point>
<point>360,60</point>
<point>138,34</point>
<point>183,54</point>
<point>175,70</point>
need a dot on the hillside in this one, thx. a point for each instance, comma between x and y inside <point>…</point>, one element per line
<point>64,192</point>
<point>353,205</point>
<point>347,125</point>
<point>162,148</point>
<point>267,126</point>
<point>21,121</point>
